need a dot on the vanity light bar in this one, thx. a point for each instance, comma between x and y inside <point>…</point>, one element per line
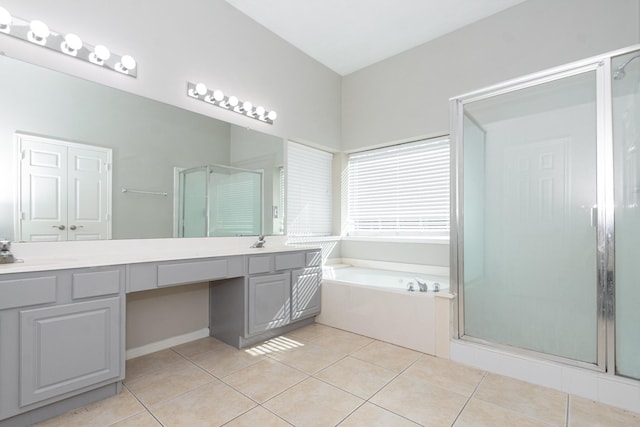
<point>37,32</point>
<point>216,97</point>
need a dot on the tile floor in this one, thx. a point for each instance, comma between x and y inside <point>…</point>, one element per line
<point>321,376</point>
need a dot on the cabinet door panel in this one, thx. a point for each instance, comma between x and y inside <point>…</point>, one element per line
<point>269,303</point>
<point>305,292</point>
<point>68,347</point>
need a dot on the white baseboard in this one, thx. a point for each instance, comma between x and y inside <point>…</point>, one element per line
<point>166,343</point>
<point>605,388</point>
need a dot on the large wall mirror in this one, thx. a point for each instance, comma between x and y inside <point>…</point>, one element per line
<point>184,174</point>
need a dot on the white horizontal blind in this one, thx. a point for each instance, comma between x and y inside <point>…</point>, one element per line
<point>400,190</point>
<point>308,194</point>
<point>235,203</point>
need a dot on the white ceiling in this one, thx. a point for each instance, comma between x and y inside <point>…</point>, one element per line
<point>347,35</point>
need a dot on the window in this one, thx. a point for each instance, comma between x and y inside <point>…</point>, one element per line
<point>402,190</point>
<point>308,191</point>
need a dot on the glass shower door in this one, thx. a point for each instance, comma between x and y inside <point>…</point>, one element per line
<point>529,275</point>
<point>626,149</point>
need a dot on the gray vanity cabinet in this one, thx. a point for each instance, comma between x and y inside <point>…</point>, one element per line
<point>61,334</point>
<point>305,292</point>
<point>269,304</point>
<point>280,293</point>
<point>68,347</point>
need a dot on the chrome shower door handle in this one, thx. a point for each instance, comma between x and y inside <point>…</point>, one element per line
<point>59,227</point>
<point>594,216</point>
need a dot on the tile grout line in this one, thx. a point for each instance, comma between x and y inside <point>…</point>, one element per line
<point>484,375</point>
<point>381,388</point>
<point>566,418</point>
<point>143,405</point>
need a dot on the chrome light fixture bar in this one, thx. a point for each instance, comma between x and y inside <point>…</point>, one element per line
<point>37,32</point>
<point>218,98</point>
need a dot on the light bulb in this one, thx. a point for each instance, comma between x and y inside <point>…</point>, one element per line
<point>99,55</point>
<point>218,95</point>
<point>102,52</point>
<point>39,32</point>
<point>197,90</point>
<point>260,111</point>
<point>272,115</point>
<point>247,106</point>
<point>201,89</point>
<point>5,19</point>
<point>233,101</point>
<point>71,44</point>
<point>128,62</point>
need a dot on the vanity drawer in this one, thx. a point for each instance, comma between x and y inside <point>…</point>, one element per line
<point>95,284</point>
<point>196,271</point>
<point>27,291</point>
<point>313,259</point>
<point>290,261</point>
<point>260,264</point>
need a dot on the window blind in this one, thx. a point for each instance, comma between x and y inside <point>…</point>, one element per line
<point>400,190</point>
<point>308,194</point>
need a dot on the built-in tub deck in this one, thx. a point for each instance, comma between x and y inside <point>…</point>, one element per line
<point>377,303</point>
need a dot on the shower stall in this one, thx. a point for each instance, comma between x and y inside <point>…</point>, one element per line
<point>546,214</point>
<point>216,200</point>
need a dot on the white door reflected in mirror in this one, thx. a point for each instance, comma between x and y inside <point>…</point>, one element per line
<point>64,190</point>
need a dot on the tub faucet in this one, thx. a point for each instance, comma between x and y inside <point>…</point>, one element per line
<point>259,243</point>
<point>422,285</point>
<point>6,257</point>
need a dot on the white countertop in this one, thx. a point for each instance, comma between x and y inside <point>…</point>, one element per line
<point>43,256</point>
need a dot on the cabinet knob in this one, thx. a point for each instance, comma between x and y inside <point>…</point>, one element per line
<point>73,227</point>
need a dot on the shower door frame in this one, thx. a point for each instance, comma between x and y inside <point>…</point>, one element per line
<point>605,243</point>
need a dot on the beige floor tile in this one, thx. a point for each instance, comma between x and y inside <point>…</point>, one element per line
<point>274,346</point>
<point>102,413</point>
<point>192,348</point>
<point>309,358</point>
<point>152,362</point>
<point>535,401</point>
<point>309,332</point>
<point>447,374</point>
<point>369,415</point>
<point>212,404</point>
<point>420,401</point>
<point>264,379</point>
<point>313,403</point>
<point>356,376</point>
<point>342,341</point>
<point>258,417</point>
<point>387,355</point>
<point>144,419</point>
<point>584,412</point>
<point>479,413</point>
<point>168,383</point>
<point>225,360</point>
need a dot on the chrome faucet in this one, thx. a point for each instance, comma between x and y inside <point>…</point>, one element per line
<point>259,243</point>
<point>422,285</point>
<point>6,257</point>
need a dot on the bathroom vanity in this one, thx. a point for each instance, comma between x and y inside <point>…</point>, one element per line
<point>62,322</point>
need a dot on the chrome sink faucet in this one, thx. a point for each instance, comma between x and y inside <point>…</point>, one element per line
<point>6,257</point>
<point>259,243</point>
<point>422,285</point>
